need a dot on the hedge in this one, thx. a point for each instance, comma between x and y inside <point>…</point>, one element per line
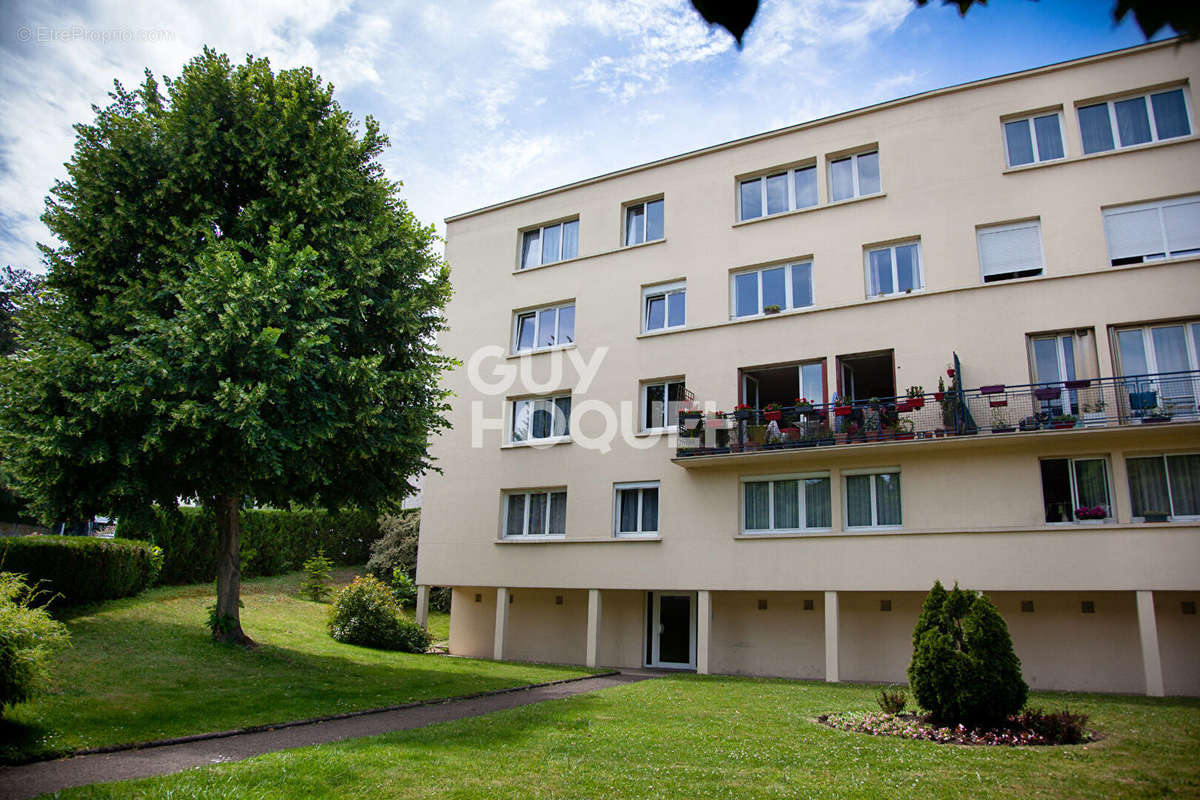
<point>272,541</point>
<point>72,570</point>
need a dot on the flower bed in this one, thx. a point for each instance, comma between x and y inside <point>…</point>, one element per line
<point>1028,728</point>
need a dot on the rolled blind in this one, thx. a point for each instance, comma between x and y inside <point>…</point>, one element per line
<point>1182,221</point>
<point>1133,233</point>
<point>1010,249</point>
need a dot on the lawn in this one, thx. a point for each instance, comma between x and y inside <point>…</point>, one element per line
<point>688,736</point>
<point>144,668</point>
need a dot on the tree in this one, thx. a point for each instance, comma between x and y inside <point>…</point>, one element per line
<point>1183,16</point>
<point>242,309</point>
<point>18,287</point>
<point>963,667</point>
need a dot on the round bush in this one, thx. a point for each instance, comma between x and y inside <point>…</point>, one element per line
<point>365,613</point>
<point>28,638</point>
<point>963,667</point>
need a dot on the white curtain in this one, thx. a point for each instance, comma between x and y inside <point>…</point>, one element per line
<point>558,512</point>
<point>1148,485</point>
<point>1091,483</point>
<point>887,498</point>
<point>758,511</point>
<point>787,505</point>
<point>515,519</point>
<point>1185,484</point>
<point>818,511</point>
<point>628,501</point>
<point>649,510</point>
<point>858,500</point>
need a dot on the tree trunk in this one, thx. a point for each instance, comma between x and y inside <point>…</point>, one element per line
<point>229,576</point>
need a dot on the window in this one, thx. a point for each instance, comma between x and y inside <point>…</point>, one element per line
<point>550,243</point>
<point>1033,139</point>
<point>786,190</point>
<point>854,176</point>
<point>553,326</point>
<point>1149,231</point>
<point>644,222</point>
<point>1057,358</point>
<point>1074,488</point>
<point>1166,484</point>
<point>538,418</point>
<point>786,504</point>
<point>894,270</point>
<point>635,509</point>
<point>873,499</point>
<point>1168,355</point>
<point>660,404</point>
<point>537,513</point>
<point>664,306</point>
<point>788,286</point>
<point>1010,251</point>
<point>1136,120</point>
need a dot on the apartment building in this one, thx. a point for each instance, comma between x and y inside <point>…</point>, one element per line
<point>699,425</point>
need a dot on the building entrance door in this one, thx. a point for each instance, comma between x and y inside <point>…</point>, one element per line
<point>672,634</point>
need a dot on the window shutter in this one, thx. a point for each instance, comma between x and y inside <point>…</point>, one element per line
<point>1010,249</point>
<point>1182,221</point>
<point>1133,233</point>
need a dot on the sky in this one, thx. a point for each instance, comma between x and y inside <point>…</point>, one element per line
<point>486,100</point>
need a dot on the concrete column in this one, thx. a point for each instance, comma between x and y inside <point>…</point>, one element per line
<point>1122,510</point>
<point>593,627</point>
<point>831,637</point>
<point>423,606</point>
<point>835,488</point>
<point>703,630</point>
<point>502,596</point>
<point>1148,630</point>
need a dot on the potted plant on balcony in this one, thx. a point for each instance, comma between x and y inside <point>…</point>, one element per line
<point>773,412</point>
<point>803,405</point>
<point>916,396</point>
<point>904,429</point>
<point>1154,515</point>
<point>822,436</point>
<point>718,420</point>
<point>771,309</point>
<point>940,394</point>
<point>1047,393</point>
<point>1092,414</point>
<point>1090,513</point>
<point>1156,415</point>
<point>1000,421</point>
<point>1063,421</point>
<point>690,418</point>
<point>743,411</point>
<point>1030,423</point>
<point>756,434</point>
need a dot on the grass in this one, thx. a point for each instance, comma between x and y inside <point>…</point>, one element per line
<point>144,668</point>
<point>689,736</point>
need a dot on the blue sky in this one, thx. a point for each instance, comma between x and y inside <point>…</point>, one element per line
<point>485,101</point>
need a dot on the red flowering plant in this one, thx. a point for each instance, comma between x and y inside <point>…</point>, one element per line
<point>1091,512</point>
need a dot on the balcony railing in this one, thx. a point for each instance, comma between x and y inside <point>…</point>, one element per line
<point>994,410</point>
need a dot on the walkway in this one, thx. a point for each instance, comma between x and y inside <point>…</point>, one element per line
<point>51,776</point>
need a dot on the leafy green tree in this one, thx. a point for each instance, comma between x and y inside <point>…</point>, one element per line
<point>963,667</point>
<point>242,309</point>
<point>318,572</point>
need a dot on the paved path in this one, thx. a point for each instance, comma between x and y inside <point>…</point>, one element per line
<point>51,776</point>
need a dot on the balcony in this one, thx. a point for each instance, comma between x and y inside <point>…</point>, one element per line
<point>992,411</point>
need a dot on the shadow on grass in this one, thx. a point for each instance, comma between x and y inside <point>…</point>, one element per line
<point>135,680</point>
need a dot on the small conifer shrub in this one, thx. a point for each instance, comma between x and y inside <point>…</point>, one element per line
<point>963,667</point>
<point>318,571</point>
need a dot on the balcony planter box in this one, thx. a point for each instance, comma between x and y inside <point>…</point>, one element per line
<point>1052,393</point>
<point>690,423</point>
<point>1094,419</point>
<point>905,435</point>
<point>994,388</point>
<point>804,409</point>
<point>1082,383</point>
<point>904,405</point>
<point>1030,424</point>
<point>842,411</point>
<point>824,441</point>
<point>772,416</point>
<point>720,423</point>
<point>689,442</point>
<point>743,413</point>
<point>1156,419</point>
<point>1003,429</point>
<point>916,403</point>
<point>939,396</point>
<point>939,433</point>
<point>793,434</point>
<point>998,403</point>
<point>1151,516</point>
<point>1062,426</point>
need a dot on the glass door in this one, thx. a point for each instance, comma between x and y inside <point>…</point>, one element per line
<point>673,630</point>
<point>1054,364</point>
<point>1161,360</point>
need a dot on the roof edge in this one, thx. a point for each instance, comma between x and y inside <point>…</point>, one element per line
<point>771,134</point>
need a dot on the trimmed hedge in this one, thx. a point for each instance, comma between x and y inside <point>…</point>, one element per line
<point>72,570</point>
<point>272,541</point>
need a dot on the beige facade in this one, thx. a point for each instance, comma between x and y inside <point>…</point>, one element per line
<point>1104,605</point>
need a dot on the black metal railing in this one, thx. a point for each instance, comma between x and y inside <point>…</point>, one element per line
<point>993,410</point>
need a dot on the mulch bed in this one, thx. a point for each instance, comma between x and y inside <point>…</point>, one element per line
<point>917,727</point>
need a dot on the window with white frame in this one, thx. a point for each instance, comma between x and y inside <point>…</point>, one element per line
<point>660,403</point>
<point>1150,231</point>
<point>873,498</point>
<point>1165,484</point>
<point>854,176</point>
<point>1075,489</point>
<point>537,418</point>
<point>549,243</point>
<point>781,288</point>
<point>895,269</point>
<point>664,306</point>
<point>1033,139</point>
<point>1010,251</point>
<point>777,192</point>
<point>541,328</point>
<point>787,503</point>
<point>536,513</point>
<point>644,222</point>
<point>1167,354</point>
<point>1135,120</point>
<point>635,509</point>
